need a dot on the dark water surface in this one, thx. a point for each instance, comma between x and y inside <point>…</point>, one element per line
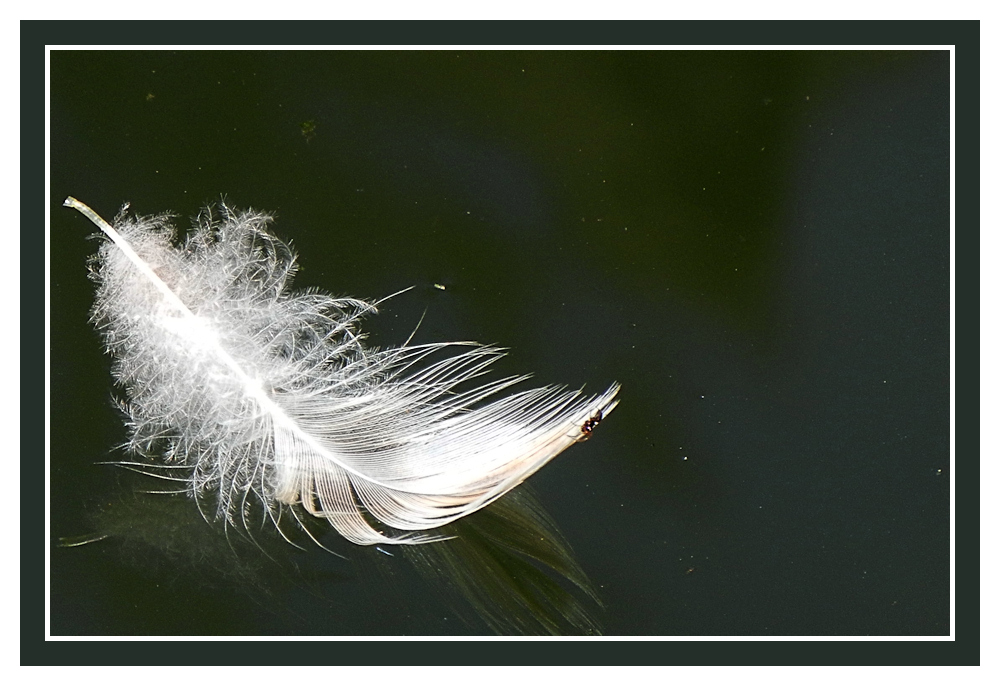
<point>754,244</point>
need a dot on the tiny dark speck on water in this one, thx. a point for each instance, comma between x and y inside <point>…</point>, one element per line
<point>308,129</point>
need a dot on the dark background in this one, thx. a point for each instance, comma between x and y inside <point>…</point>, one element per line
<point>754,244</point>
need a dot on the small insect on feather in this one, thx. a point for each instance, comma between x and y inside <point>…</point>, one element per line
<point>258,391</point>
<point>588,426</point>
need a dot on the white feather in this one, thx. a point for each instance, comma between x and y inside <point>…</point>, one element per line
<point>268,392</point>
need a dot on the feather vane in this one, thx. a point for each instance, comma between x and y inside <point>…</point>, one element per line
<point>268,392</point>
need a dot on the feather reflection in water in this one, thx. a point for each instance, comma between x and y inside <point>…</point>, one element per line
<point>507,570</point>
